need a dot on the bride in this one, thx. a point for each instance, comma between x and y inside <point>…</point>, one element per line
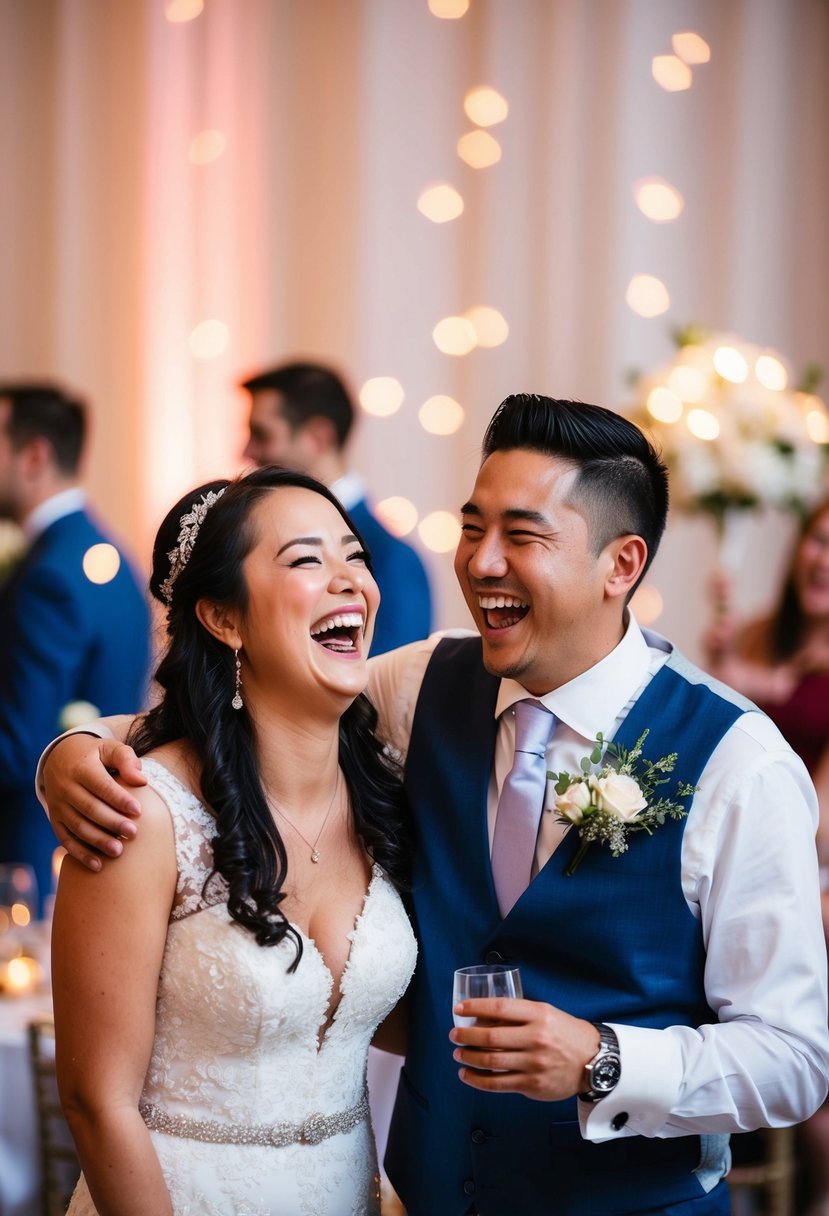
<point>215,993</point>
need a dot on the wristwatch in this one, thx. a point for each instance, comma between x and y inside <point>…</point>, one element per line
<point>605,1069</point>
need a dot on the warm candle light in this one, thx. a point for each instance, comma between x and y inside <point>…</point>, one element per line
<point>20,975</point>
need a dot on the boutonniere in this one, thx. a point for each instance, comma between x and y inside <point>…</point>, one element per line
<point>608,802</point>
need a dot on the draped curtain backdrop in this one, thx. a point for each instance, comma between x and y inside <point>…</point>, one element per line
<point>302,236</point>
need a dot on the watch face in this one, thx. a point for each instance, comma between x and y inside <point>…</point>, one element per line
<point>606,1073</point>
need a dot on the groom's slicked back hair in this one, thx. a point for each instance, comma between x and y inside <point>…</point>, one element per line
<point>622,486</point>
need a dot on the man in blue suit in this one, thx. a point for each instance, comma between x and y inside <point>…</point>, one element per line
<point>301,416</point>
<point>673,993</point>
<point>73,627</point>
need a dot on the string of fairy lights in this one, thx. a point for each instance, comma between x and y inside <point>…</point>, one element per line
<point>482,324</point>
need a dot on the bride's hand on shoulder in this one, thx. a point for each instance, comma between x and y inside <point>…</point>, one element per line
<point>91,813</point>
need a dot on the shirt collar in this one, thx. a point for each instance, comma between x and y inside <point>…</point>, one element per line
<point>350,489</point>
<point>592,701</point>
<point>51,510</point>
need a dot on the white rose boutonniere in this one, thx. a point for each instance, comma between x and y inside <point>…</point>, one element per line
<point>608,802</point>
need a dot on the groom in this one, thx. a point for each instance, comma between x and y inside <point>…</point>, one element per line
<point>672,994</point>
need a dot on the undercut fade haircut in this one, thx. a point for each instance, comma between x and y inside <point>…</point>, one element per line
<point>622,483</point>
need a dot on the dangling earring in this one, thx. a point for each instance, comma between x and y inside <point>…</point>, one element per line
<point>237,694</point>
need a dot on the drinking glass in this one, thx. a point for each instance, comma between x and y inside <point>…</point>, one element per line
<point>488,979</point>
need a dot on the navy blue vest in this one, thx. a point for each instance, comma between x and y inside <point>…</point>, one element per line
<point>615,942</point>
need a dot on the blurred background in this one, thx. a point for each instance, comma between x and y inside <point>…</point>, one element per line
<point>448,200</point>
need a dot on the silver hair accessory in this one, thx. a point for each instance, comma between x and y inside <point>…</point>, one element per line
<point>188,531</point>
<point>237,693</point>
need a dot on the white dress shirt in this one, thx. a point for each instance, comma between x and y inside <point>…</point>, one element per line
<point>48,512</point>
<point>749,875</point>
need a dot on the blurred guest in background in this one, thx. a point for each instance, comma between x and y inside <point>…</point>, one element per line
<point>782,662</point>
<point>301,416</point>
<point>66,638</point>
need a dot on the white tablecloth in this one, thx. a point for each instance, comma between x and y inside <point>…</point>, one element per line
<point>19,1163</point>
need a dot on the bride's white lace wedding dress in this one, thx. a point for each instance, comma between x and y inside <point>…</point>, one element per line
<point>237,1051</point>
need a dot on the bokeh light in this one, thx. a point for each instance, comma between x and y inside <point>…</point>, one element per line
<point>658,199</point>
<point>206,147</point>
<point>691,47</point>
<point>671,73</point>
<point>730,364</point>
<point>439,531</point>
<point>398,514</point>
<point>817,423</point>
<point>382,396</point>
<point>440,203</point>
<point>490,327</point>
<point>448,9</point>
<point>441,415</point>
<point>771,373</point>
<point>703,424</point>
<point>647,295</point>
<point>209,339</point>
<point>485,106</point>
<point>455,336</point>
<point>479,149</point>
<point>183,10</point>
<point>101,563</point>
<point>663,405</point>
<point>688,382</point>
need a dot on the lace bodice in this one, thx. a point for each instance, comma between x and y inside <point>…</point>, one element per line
<point>238,1039</point>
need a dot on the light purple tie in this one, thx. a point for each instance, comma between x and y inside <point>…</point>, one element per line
<point>521,803</point>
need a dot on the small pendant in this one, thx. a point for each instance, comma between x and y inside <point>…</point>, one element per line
<point>236,702</point>
<point>315,856</point>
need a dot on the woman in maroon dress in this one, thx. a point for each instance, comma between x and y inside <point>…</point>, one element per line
<point>782,663</point>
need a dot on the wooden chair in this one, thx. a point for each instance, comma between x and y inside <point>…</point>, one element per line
<point>766,1185</point>
<point>59,1164</point>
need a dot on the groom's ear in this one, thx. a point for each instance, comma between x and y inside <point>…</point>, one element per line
<point>221,621</point>
<point>629,555</point>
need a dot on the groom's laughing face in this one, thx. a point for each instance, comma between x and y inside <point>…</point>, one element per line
<point>529,572</point>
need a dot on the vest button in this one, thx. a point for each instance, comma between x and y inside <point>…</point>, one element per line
<point>478,1136</point>
<point>469,1187</point>
<point>619,1121</point>
<point>494,956</point>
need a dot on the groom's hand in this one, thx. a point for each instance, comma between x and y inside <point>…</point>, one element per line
<point>90,813</point>
<point>536,1049</point>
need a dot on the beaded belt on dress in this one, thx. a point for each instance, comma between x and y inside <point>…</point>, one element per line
<point>312,1130</point>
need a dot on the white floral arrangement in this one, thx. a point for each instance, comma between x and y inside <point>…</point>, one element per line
<point>732,431</point>
<point>607,802</point>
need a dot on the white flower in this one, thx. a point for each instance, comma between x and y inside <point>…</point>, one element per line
<point>619,795</point>
<point>574,801</point>
<point>730,440</point>
<point>77,713</point>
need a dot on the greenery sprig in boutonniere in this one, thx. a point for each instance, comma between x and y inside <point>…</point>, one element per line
<point>608,802</point>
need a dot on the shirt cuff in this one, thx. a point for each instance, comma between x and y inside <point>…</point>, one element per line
<point>97,729</point>
<point>647,1090</point>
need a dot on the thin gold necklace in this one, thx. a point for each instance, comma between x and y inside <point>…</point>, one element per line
<point>315,853</point>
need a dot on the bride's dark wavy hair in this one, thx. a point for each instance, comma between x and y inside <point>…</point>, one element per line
<point>197,675</point>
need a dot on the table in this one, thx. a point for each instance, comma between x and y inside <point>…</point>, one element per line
<point>19,1161</point>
